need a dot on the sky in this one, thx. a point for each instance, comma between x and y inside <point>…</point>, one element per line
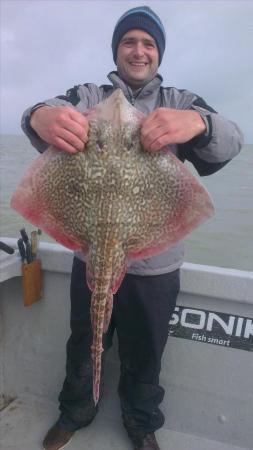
<point>48,46</point>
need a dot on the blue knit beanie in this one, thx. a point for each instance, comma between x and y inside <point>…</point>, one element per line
<point>142,18</point>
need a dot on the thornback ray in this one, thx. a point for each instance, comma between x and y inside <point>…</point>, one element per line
<point>114,201</point>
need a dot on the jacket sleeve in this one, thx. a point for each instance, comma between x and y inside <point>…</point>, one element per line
<point>212,150</point>
<point>79,97</point>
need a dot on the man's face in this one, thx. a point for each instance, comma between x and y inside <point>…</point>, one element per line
<point>137,58</point>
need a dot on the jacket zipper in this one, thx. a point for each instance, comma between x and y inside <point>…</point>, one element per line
<point>132,100</point>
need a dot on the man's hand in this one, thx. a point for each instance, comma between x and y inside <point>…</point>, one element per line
<point>61,126</point>
<point>166,126</point>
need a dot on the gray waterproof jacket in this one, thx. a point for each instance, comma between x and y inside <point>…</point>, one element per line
<point>208,152</point>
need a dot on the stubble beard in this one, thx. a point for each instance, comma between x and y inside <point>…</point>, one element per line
<point>138,80</point>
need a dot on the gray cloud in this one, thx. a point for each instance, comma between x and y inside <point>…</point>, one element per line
<point>48,46</point>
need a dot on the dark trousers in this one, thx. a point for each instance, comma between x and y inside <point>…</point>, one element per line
<point>142,309</point>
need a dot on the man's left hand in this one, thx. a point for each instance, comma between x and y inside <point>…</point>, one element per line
<point>166,126</point>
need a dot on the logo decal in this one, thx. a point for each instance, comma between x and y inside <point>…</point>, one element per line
<point>212,327</point>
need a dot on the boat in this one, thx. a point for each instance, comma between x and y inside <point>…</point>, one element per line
<point>206,371</point>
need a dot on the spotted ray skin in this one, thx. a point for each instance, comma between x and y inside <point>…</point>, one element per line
<point>115,201</point>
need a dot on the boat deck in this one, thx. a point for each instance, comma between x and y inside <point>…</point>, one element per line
<point>26,420</point>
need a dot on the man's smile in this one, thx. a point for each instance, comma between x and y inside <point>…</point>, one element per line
<point>138,65</point>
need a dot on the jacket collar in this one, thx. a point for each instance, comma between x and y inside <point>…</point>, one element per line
<point>149,88</point>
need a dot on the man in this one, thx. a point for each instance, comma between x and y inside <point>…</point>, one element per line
<point>147,296</point>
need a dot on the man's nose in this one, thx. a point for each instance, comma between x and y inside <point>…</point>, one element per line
<point>139,49</point>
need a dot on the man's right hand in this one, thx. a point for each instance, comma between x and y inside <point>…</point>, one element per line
<point>61,126</point>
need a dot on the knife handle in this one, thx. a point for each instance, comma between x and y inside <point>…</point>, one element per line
<point>28,252</point>
<point>21,248</point>
<point>34,243</point>
<point>6,248</point>
<point>24,235</point>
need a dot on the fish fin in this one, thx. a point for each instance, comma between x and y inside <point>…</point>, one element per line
<point>27,201</point>
<point>42,219</point>
<point>194,207</point>
<point>119,271</point>
<point>118,274</point>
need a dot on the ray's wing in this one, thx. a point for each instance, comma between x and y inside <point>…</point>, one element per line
<point>39,199</point>
<point>175,208</point>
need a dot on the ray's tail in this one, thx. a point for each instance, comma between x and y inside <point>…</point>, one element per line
<point>101,310</point>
